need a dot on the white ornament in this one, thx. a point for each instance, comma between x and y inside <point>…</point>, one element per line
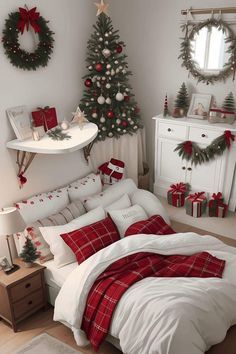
<point>124,115</point>
<point>108,100</point>
<point>118,129</point>
<point>100,39</point>
<point>116,62</point>
<point>135,127</point>
<point>92,99</point>
<point>106,42</point>
<point>94,79</point>
<point>101,99</point>
<point>119,96</point>
<point>108,86</point>
<point>98,78</point>
<point>124,131</point>
<point>118,121</point>
<point>65,125</point>
<point>98,84</point>
<point>117,70</point>
<point>104,129</point>
<point>124,71</point>
<point>102,119</point>
<point>86,104</point>
<point>112,72</point>
<point>110,135</point>
<point>108,72</point>
<point>96,50</point>
<point>120,67</point>
<point>90,67</point>
<point>108,66</point>
<point>127,89</point>
<point>103,78</point>
<point>106,53</point>
<point>106,34</point>
<point>110,32</point>
<point>113,126</point>
<point>97,33</point>
<point>131,122</point>
<point>129,119</point>
<point>94,115</point>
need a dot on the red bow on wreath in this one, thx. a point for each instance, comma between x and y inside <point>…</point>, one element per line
<point>188,147</point>
<point>28,17</point>
<point>228,137</point>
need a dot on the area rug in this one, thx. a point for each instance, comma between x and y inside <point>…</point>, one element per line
<point>45,344</point>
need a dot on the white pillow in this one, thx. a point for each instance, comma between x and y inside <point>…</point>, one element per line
<point>126,217</point>
<point>150,203</point>
<point>62,253</point>
<point>84,187</point>
<point>111,194</point>
<point>122,203</point>
<point>42,205</point>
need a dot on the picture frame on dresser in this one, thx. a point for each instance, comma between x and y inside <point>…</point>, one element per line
<point>199,106</point>
<point>20,122</point>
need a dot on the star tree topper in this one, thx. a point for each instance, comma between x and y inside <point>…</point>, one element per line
<point>79,118</point>
<point>102,8</point>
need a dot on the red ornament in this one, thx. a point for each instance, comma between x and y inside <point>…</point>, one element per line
<point>119,49</point>
<point>126,98</point>
<point>88,82</point>
<point>124,123</point>
<point>110,114</point>
<point>99,67</point>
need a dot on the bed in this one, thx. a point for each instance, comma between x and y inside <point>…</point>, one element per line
<point>202,308</point>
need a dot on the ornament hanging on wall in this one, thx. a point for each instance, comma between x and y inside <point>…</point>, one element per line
<point>16,24</point>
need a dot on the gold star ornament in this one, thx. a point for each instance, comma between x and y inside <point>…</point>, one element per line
<point>79,118</point>
<point>102,8</point>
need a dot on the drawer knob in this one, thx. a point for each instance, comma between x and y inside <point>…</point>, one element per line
<point>203,135</point>
<point>189,168</point>
<point>183,168</point>
<point>30,302</point>
<point>28,285</point>
<point>169,130</point>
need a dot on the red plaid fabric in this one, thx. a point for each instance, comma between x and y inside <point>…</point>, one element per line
<point>91,239</point>
<point>118,277</point>
<point>154,225</point>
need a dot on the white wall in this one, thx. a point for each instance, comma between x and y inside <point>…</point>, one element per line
<point>59,85</point>
<point>151,31</point>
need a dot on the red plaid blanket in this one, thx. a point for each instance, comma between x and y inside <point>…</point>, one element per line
<point>119,276</point>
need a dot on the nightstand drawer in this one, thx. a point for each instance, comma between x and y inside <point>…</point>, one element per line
<point>202,136</point>
<point>169,130</point>
<point>29,304</point>
<point>26,287</point>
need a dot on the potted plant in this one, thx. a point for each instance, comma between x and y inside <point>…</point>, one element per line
<point>29,253</point>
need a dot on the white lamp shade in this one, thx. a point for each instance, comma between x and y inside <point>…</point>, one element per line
<point>11,221</point>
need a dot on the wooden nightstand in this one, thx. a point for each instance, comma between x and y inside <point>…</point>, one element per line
<point>22,293</point>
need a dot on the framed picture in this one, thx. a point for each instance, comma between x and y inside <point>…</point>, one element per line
<point>4,264</point>
<point>20,122</point>
<point>199,106</point>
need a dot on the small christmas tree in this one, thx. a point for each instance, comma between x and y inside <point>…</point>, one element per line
<point>182,99</point>
<point>166,110</point>
<point>229,103</point>
<point>29,253</point>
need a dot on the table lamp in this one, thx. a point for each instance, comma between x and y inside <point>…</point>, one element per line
<point>11,222</point>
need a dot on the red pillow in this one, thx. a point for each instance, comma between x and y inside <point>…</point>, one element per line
<point>91,239</point>
<point>154,225</point>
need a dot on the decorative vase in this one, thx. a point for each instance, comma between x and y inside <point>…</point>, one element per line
<point>28,264</point>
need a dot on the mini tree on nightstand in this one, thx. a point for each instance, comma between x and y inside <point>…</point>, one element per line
<point>29,253</point>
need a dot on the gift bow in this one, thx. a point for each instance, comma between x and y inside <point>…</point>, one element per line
<point>178,187</point>
<point>28,17</point>
<point>194,197</point>
<point>217,196</point>
<point>228,137</point>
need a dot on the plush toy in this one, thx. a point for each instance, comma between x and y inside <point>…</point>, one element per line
<point>112,171</point>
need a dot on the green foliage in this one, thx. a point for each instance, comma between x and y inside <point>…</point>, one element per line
<point>58,134</point>
<point>20,57</point>
<point>113,117</point>
<point>229,103</point>
<point>29,253</point>
<point>182,99</point>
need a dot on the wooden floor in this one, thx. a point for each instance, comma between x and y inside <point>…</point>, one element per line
<point>42,322</point>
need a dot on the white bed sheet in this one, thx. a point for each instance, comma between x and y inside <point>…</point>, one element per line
<point>56,276</point>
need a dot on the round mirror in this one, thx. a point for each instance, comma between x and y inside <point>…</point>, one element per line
<point>209,50</point>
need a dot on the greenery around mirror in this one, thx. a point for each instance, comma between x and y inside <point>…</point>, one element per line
<point>186,51</point>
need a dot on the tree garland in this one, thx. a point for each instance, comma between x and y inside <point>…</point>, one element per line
<point>15,24</point>
<point>191,29</point>
<point>191,151</point>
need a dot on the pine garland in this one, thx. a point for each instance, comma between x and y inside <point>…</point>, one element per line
<point>58,134</point>
<point>191,151</point>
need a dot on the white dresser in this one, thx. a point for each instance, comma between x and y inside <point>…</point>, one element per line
<point>217,175</point>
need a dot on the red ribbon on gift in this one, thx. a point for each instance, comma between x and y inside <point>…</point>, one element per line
<point>178,187</point>
<point>228,137</point>
<point>43,115</point>
<point>217,196</point>
<point>197,197</point>
<point>28,17</point>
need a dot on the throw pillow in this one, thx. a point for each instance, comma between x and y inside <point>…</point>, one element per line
<point>84,187</point>
<point>122,203</point>
<point>155,225</point>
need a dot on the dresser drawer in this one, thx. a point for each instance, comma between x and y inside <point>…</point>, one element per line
<point>26,287</point>
<point>30,303</point>
<point>202,136</point>
<point>169,130</point>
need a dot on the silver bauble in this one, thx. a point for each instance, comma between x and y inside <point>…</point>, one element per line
<point>101,99</point>
<point>108,100</point>
<point>119,96</point>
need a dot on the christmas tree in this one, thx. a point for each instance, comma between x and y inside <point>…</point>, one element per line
<point>29,253</point>
<point>229,103</point>
<point>182,100</point>
<point>107,100</point>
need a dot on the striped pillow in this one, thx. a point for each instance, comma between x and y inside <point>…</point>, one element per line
<point>71,212</point>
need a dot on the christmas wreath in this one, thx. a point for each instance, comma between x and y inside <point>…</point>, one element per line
<point>191,151</point>
<point>16,23</point>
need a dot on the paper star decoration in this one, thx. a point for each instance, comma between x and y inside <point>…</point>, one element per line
<point>102,8</point>
<point>79,118</point>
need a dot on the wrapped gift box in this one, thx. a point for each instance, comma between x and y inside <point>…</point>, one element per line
<point>195,204</point>
<point>221,210</point>
<point>214,202</point>
<point>177,193</point>
<point>112,171</point>
<point>45,116</point>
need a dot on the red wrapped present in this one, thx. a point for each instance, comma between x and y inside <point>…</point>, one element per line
<point>111,171</point>
<point>177,193</point>
<point>195,204</point>
<point>221,210</point>
<point>214,202</point>
<point>45,116</point>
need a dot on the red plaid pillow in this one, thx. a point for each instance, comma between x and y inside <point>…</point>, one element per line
<point>154,225</point>
<point>92,238</point>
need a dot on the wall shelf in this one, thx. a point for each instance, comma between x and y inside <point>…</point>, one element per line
<point>28,149</point>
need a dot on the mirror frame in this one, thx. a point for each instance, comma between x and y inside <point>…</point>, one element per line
<point>191,29</point>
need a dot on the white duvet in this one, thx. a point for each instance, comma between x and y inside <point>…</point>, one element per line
<point>158,315</point>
